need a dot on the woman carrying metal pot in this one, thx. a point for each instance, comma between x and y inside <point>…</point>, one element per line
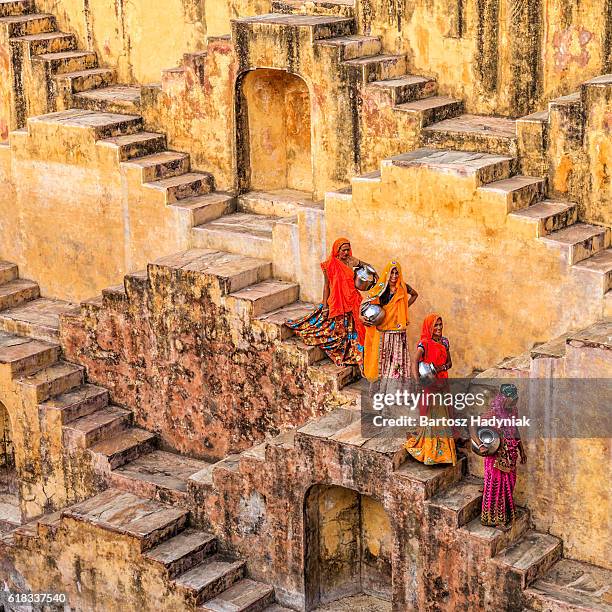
<point>386,354</point>
<point>433,443</point>
<point>335,325</point>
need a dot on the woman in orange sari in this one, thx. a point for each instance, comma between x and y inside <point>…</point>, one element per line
<point>386,354</point>
<point>335,325</point>
<point>433,444</point>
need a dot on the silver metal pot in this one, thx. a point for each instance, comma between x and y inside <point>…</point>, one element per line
<point>427,371</point>
<point>372,313</point>
<point>365,277</point>
<point>490,438</point>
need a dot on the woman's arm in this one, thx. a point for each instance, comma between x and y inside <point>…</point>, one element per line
<point>420,353</point>
<point>325,292</point>
<point>447,365</point>
<point>413,295</point>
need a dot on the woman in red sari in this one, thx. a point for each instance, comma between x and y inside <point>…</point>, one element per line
<point>433,444</point>
<point>335,325</point>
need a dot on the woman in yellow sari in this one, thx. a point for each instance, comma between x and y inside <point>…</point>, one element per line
<point>386,354</point>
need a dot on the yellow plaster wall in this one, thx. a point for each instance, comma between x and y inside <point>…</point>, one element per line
<point>139,37</point>
<point>496,286</point>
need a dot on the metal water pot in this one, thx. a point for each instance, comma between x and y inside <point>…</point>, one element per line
<point>372,313</point>
<point>427,372</point>
<point>365,277</point>
<point>490,438</point>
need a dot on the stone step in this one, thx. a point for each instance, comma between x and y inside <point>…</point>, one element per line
<point>99,125</point>
<point>319,27</point>
<point>376,68</point>
<point>25,356</point>
<point>275,320</point>
<point>341,376</point>
<point>579,241</point>
<point>277,203</point>
<point>233,271</point>
<point>242,233</point>
<point>430,479</point>
<point>206,208</point>
<point>599,266</point>
<point>312,354</point>
<point>185,186</point>
<point>548,216</point>
<point>457,505</point>
<point>8,272</point>
<point>571,586</point>
<point>481,168</point>
<point>277,608</point>
<point>267,296</point>
<point>530,557</point>
<point>598,335</point>
<point>157,475</point>
<point>553,349</point>
<point>209,579</point>
<point>32,23</point>
<point>244,596</point>
<point>183,552</point>
<point>85,431</point>
<point>125,446</point>
<point>607,309</point>
<point>77,403</point>
<point>494,540</point>
<point>158,166</point>
<point>53,380</point>
<point>84,80</point>
<point>145,520</point>
<point>353,46</point>
<point>516,192</point>
<point>11,8</point>
<point>139,144</point>
<point>47,42</point>
<point>314,7</point>
<point>17,292</point>
<point>431,110</point>
<point>113,99</point>
<point>68,61</point>
<point>405,88</point>
<point>473,133</point>
<point>38,318</point>
<point>368,178</point>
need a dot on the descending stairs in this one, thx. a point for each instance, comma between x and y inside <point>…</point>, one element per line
<point>69,76</point>
<point>203,577</point>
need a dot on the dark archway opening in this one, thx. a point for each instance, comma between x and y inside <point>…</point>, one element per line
<point>10,515</point>
<point>348,546</point>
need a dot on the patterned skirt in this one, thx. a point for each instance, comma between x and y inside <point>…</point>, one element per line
<point>393,364</point>
<point>497,499</point>
<point>432,445</point>
<point>336,336</point>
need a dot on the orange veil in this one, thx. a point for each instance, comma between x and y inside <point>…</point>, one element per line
<point>343,297</point>
<point>396,317</point>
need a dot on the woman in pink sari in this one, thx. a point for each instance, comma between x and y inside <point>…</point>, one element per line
<point>498,508</point>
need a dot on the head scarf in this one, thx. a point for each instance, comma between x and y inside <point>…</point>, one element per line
<point>343,297</point>
<point>396,317</point>
<point>428,325</point>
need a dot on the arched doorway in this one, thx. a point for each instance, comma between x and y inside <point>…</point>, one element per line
<point>274,138</point>
<point>348,543</point>
<point>10,515</point>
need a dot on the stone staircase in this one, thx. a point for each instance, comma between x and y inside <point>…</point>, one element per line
<point>196,571</point>
<point>47,60</point>
<point>154,174</point>
<point>583,247</point>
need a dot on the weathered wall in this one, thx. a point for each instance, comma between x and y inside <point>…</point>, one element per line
<point>74,218</point>
<point>191,363</point>
<point>138,38</point>
<point>491,280</point>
